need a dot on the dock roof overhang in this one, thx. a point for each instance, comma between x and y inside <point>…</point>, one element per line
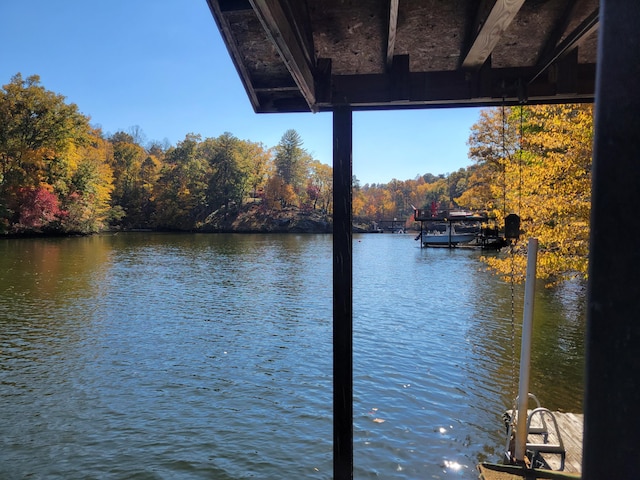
<point>316,55</point>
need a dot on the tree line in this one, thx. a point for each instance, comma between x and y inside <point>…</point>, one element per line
<point>59,174</point>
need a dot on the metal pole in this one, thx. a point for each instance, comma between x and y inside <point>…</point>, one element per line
<point>525,349</point>
<point>342,296</point>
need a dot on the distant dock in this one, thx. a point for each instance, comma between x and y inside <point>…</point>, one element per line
<point>457,229</point>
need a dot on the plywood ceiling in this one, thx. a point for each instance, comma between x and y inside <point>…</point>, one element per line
<point>316,55</point>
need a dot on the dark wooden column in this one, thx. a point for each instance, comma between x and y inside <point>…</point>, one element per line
<point>342,297</point>
<point>612,397</point>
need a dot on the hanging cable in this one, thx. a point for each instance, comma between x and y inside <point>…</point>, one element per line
<point>512,231</point>
<point>512,227</point>
<point>504,161</point>
<point>520,146</point>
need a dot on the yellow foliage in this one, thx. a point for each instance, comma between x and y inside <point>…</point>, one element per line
<point>548,183</point>
<point>358,203</point>
<point>279,193</point>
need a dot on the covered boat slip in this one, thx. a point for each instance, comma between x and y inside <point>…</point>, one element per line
<point>450,229</point>
<point>346,55</point>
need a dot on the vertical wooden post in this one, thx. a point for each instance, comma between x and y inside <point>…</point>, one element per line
<point>612,396</point>
<point>342,296</point>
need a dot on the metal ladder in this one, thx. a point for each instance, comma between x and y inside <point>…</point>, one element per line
<point>545,446</point>
<point>533,448</point>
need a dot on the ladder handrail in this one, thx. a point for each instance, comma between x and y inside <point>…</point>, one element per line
<point>546,447</point>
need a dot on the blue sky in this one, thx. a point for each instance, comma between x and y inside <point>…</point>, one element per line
<point>162,65</point>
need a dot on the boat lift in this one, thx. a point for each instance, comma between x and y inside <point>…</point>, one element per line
<point>486,238</point>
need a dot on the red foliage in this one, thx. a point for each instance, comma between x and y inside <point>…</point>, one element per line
<point>313,191</point>
<point>38,208</point>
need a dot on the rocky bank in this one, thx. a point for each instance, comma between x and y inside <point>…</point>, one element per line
<point>254,218</point>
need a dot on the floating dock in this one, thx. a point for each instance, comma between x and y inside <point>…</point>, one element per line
<point>547,465</point>
<point>493,471</point>
<point>570,425</point>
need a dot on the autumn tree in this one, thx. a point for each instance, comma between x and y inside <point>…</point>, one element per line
<point>547,181</point>
<point>129,192</point>
<point>148,178</point>
<point>493,145</point>
<point>46,145</point>
<point>479,193</point>
<point>88,206</point>
<point>181,191</point>
<point>227,181</point>
<point>278,194</point>
<point>257,162</point>
<point>358,200</point>
<point>39,209</point>
<point>433,191</point>
<point>36,126</point>
<point>378,204</point>
<point>320,185</point>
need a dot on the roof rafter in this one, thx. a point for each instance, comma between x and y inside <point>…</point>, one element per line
<point>287,34</point>
<point>500,17</point>
<point>227,34</point>
<point>393,25</point>
<point>572,41</point>
<point>558,30</point>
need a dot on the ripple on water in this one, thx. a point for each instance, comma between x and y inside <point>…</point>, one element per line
<point>209,356</point>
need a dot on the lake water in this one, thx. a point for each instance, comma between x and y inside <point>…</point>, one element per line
<point>160,356</point>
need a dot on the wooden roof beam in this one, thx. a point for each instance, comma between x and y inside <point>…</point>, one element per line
<point>234,52</point>
<point>500,17</point>
<point>393,26</point>
<point>558,31</point>
<point>455,88</point>
<point>572,41</point>
<point>287,34</point>
<point>234,5</point>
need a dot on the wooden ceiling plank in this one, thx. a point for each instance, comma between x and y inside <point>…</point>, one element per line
<point>294,51</point>
<point>572,41</point>
<point>234,52</point>
<point>393,26</point>
<point>500,17</point>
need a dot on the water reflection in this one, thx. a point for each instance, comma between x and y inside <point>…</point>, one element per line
<point>48,291</point>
